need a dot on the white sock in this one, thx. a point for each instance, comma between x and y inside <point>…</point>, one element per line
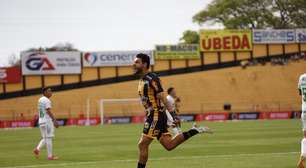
<point>303,147</point>
<point>41,144</point>
<point>176,131</point>
<point>49,146</point>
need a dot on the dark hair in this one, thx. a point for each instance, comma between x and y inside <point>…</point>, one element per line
<point>144,59</point>
<point>170,90</point>
<point>45,89</point>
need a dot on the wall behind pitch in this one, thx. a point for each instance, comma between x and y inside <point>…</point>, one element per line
<point>263,88</point>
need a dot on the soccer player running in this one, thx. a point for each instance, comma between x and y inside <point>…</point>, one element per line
<point>173,121</point>
<point>302,91</point>
<point>152,96</point>
<point>47,122</point>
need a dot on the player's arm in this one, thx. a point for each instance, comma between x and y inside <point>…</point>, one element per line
<point>161,96</point>
<point>170,108</point>
<point>299,86</point>
<point>177,105</point>
<point>52,117</point>
<point>156,85</point>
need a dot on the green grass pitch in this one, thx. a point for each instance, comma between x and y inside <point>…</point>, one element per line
<point>241,144</point>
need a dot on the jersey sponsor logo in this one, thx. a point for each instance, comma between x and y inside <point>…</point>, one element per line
<point>39,61</point>
<point>155,132</point>
<point>146,125</point>
<point>91,58</point>
<point>304,94</point>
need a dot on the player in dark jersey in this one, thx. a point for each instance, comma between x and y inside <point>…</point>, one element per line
<point>153,99</point>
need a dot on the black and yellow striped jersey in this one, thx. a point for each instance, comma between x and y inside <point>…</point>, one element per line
<point>148,88</point>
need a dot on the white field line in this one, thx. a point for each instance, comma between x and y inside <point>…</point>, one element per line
<point>153,159</point>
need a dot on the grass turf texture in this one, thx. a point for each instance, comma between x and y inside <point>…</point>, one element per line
<point>241,144</point>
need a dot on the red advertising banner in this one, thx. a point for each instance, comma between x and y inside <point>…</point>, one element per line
<point>276,115</point>
<point>71,121</point>
<point>92,121</point>
<point>10,75</point>
<point>138,119</point>
<point>16,124</point>
<point>218,116</point>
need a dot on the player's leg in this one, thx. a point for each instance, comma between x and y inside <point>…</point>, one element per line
<point>176,131</point>
<point>170,144</point>
<point>303,143</point>
<point>143,147</point>
<point>49,141</point>
<point>49,147</point>
<point>303,152</point>
<point>42,142</point>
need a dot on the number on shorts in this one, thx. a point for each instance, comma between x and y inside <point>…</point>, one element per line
<point>304,93</point>
<point>41,113</point>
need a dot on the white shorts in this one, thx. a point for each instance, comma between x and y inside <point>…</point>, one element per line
<point>170,122</point>
<point>47,129</point>
<point>170,119</point>
<point>303,117</point>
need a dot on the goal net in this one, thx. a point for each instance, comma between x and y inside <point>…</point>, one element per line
<point>120,108</point>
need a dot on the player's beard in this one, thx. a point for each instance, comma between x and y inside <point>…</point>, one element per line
<point>137,71</point>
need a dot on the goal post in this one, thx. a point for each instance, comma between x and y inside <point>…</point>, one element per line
<point>129,106</point>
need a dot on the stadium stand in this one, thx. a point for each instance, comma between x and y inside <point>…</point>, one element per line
<point>217,77</point>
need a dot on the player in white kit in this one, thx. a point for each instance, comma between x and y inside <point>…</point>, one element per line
<point>302,91</point>
<point>46,122</point>
<point>173,121</point>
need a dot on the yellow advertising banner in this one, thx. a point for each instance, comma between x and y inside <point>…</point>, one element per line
<point>181,51</point>
<point>226,40</point>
